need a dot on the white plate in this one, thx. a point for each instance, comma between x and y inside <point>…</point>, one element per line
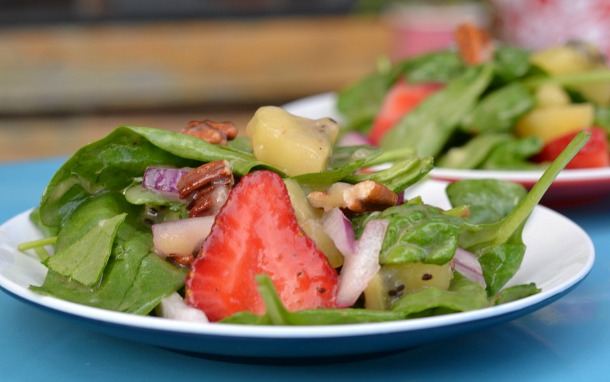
<point>558,257</point>
<point>572,187</point>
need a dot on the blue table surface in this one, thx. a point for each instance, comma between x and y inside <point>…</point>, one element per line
<point>568,340</point>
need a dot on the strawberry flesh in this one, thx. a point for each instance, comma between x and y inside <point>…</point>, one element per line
<point>256,232</point>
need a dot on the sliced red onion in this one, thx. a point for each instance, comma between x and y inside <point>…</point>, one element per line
<point>174,307</point>
<point>181,237</point>
<point>360,267</point>
<point>468,265</point>
<point>163,179</point>
<point>338,227</point>
<point>353,138</point>
<point>401,198</point>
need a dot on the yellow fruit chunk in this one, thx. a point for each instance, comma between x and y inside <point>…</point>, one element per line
<point>553,122</point>
<point>561,60</point>
<point>309,219</point>
<point>549,95</point>
<point>293,144</point>
<point>576,57</point>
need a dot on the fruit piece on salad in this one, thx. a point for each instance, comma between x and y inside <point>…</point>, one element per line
<point>181,238</point>
<point>593,154</point>
<point>310,219</point>
<point>549,123</point>
<point>256,232</point>
<point>394,281</point>
<point>550,95</point>
<point>293,144</point>
<point>400,99</point>
<point>576,57</point>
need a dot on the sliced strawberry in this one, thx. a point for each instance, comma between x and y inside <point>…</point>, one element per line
<point>401,99</point>
<point>593,154</point>
<point>256,232</point>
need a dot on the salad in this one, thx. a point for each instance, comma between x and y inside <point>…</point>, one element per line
<point>279,227</point>
<point>486,105</point>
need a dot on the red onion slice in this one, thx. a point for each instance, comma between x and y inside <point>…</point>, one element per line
<point>174,307</point>
<point>163,179</point>
<point>468,265</point>
<point>353,138</point>
<point>338,227</point>
<point>360,267</point>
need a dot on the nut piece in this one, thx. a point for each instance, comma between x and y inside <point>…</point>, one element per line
<point>216,133</point>
<point>358,198</point>
<point>206,188</point>
<point>474,44</point>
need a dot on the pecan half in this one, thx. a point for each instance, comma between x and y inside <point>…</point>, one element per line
<point>217,133</point>
<point>358,198</point>
<point>206,188</point>
<point>474,44</point>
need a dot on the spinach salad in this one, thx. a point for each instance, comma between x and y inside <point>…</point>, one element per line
<point>100,220</point>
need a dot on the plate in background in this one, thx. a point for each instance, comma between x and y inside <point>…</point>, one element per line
<point>571,187</point>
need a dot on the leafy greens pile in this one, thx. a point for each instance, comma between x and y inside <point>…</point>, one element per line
<point>104,257</point>
<point>474,114</point>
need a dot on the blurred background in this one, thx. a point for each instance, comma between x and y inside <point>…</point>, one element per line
<point>73,70</point>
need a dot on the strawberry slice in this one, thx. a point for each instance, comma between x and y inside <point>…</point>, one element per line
<point>400,99</point>
<point>256,232</point>
<point>595,153</point>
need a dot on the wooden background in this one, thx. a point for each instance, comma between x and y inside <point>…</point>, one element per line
<point>64,86</point>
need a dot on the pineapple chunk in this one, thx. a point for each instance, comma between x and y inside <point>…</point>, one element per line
<point>549,95</point>
<point>293,144</point>
<point>576,57</point>
<point>561,59</point>
<point>309,219</point>
<point>553,122</point>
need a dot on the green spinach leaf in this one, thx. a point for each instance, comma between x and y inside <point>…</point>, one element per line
<point>429,126</point>
<point>416,233</point>
<point>499,111</point>
<point>462,295</point>
<point>79,262</point>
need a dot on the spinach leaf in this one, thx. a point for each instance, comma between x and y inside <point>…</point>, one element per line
<point>500,263</point>
<point>401,173</point>
<point>473,153</point>
<point>462,295</point>
<point>498,244</point>
<point>361,101</point>
<point>499,111</point>
<point>439,66</point>
<point>515,293</point>
<point>79,262</point>
<point>112,163</point>
<point>514,154</point>
<point>489,200</point>
<point>134,279</point>
<point>510,63</point>
<point>416,233</point>
<point>399,176</point>
<point>429,126</point>
<point>479,238</point>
